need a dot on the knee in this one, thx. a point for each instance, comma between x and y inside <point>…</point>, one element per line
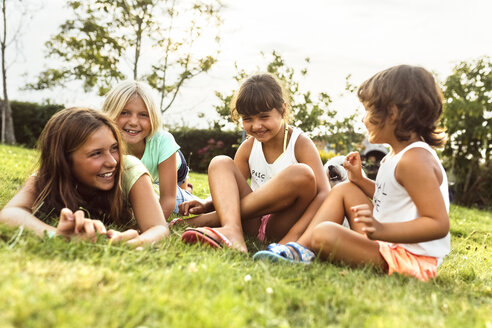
<point>219,162</point>
<point>300,175</point>
<point>326,236</point>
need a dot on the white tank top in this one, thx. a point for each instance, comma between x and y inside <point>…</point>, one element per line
<point>261,171</point>
<point>392,203</point>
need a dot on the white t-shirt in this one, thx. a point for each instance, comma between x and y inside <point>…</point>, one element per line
<point>392,203</point>
<point>261,171</point>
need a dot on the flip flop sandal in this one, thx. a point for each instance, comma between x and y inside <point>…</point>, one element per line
<point>192,236</point>
<point>275,253</point>
<point>305,255</point>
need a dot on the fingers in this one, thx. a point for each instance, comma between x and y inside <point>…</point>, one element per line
<point>79,217</point>
<point>89,231</point>
<point>66,223</point>
<point>99,226</point>
<point>184,208</point>
<point>116,236</point>
<point>75,224</point>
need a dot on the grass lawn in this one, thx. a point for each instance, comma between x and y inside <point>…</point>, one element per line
<point>52,283</point>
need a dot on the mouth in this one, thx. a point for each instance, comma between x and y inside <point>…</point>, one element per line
<point>131,132</point>
<point>107,175</point>
<point>260,133</point>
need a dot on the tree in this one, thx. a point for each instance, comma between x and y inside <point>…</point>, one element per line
<point>311,114</point>
<point>7,131</point>
<point>104,34</point>
<point>468,119</point>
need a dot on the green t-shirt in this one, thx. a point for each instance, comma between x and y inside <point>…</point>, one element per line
<point>133,169</point>
<point>157,149</point>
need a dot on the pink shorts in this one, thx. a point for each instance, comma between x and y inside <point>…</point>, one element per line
<point>402,261</point>
<point>262,229</point>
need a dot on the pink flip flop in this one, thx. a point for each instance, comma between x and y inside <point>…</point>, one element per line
<point>206,236</point>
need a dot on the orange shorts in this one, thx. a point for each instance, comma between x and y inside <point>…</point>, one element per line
<point>403,262</point>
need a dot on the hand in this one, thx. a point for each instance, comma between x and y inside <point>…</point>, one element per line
<point>130,236</point>
<point>195,206</point>
<point>77,225</point>
<point>371,227</point>
<point>353,165</point>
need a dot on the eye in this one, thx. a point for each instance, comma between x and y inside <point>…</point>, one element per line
<point>144,114</point>
<point>115,148</point>
<point>246,119</point>
<point>95,154</point>
<point>124,113</point>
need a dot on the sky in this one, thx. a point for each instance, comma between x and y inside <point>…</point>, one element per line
<point>341,37</point>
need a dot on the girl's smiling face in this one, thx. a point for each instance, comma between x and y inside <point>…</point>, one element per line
<point>263,126</point>
<point>94,164</point>
<point>134,121</point>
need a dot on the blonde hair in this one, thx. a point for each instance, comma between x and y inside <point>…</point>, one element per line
<point>117,98</point>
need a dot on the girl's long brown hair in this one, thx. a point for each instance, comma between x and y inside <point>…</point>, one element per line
<point>56,185</point>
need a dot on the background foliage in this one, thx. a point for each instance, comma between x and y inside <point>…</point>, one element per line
<point>311,113</point>
<point>96,43</point>
<point>468,120</point>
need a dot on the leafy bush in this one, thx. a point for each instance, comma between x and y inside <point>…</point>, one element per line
<point>200,146</point>
<point>30,119</point>
<point>326,155</point>
<point>468,120</point>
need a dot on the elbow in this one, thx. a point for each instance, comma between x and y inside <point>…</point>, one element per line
<point>443,229</point>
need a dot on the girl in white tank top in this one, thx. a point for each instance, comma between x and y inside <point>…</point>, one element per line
<point>287,179</point>
<point>405,228</point>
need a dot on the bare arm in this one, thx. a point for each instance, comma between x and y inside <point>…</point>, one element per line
<point>241,159</point>
<point>307,153</point>
<point>353,165</point>
<point>18,212</point>
<point>197,206</point>
<point>419,173</point>
<point>148,213</point>
<point>168,180</point>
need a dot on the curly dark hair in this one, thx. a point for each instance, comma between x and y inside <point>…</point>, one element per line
<point>417,97</point>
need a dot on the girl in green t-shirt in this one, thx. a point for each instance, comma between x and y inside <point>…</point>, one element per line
<point>131,106</point>
<point>81,173</point>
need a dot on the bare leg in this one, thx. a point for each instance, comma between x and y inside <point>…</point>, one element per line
<point>286,195</point>
<point>335,207</point>
<point>336,243</point>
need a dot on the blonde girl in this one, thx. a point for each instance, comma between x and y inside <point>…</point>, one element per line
<point>84,180</point>
<point>131,106</point>
<point>287,179</point>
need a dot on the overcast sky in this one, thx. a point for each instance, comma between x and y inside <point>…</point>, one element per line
<point>341,37</point>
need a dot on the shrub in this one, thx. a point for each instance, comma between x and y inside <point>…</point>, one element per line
<point>30,119</point>
<point>326,155</point>
<point>199,146</point>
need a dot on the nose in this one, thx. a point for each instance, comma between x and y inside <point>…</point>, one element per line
<point>364,118</point>
<point>132,119</point>
<point>256,125</point>
<point>111,160</point>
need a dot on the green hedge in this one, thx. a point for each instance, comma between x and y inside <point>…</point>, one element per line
<point>200,146</point>
<point>30,119</point>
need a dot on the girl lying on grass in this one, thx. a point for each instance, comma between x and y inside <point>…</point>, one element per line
<point>288,183</point>
<point>81,174</point>
<point>131,106</point>
<point>405,228</point>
